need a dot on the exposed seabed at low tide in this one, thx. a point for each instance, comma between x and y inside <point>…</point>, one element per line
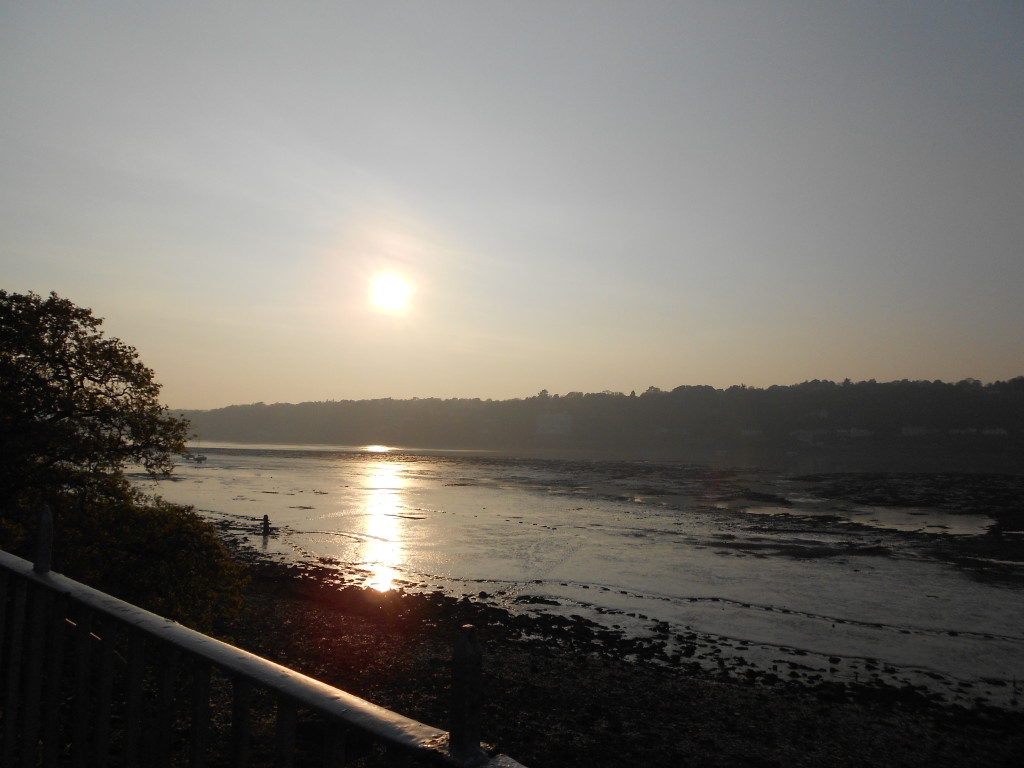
<point>758,575</point>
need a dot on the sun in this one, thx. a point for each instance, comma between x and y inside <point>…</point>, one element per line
<point>390,293</point>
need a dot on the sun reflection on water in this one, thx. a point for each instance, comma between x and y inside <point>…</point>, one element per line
<point>382,551</point>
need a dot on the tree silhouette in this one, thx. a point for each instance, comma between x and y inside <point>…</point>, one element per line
<point>75,406</point>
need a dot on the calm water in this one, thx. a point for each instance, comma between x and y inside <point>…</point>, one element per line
<point>816,588</point>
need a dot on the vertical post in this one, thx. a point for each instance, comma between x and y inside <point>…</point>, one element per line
<point>464,728</point>
<point>200,713</point>
<point>266,525</point>
<point>82,699</point>
<point>286,719</point>
<point>13,662</point>
<point>240,721</point>
<point>40,602</point>
<point>55,690</point>
<point>164,709</point>
<point>44,544</point>
<point>104,686</point>
<point>134,690</point>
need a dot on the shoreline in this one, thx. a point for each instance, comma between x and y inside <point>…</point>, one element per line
<point>742,634</point>
<point>562,691</point>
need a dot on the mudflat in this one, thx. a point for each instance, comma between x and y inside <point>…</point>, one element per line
<point>645,612</point>
<point>560,691</point>
<point>906,580</point>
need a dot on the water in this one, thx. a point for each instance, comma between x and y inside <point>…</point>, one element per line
<point>811,589</point>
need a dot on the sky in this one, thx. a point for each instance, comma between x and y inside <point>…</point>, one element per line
<point>571,195</point>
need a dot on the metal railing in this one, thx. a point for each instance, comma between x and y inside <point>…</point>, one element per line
<point>89,680</point>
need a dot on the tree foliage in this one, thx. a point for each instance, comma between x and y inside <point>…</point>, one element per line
<point>77,408</point>
<point>75,405</point>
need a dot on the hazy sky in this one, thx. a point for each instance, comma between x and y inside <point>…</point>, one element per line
<point>582,195</point>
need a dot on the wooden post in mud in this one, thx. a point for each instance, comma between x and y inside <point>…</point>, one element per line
<point>44,544</point>
<point>464,728</point>
<point>266,525</point>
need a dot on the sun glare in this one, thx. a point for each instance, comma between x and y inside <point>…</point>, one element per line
<point>390,293</point>
<point>383,549</point>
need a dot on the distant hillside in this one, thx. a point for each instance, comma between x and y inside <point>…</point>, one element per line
<point>815,423</point>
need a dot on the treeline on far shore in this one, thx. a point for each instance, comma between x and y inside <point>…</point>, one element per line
<point>966,421</point>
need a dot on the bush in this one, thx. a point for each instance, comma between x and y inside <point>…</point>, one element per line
<point>159,556</point>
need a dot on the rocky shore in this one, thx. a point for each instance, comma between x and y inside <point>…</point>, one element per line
<point>562,692</point>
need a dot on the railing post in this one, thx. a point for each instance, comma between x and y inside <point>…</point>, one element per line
<point>39,607</point>
<point>134,691</point>
<point>464,728</point>
<point>200,713</point>
<point>44,544</point>
<point>286,719</point>
<point>82,699</point>
<point>54,690</point>
<point>15,649</point>
<point>241,719</point>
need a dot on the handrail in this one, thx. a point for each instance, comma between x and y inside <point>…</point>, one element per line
<point>303,691</point>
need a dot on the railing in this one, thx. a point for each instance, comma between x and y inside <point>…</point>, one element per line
<point>89,680</point>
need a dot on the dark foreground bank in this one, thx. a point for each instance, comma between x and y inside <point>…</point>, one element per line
<point>558,693</point>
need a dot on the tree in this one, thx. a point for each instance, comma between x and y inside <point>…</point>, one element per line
<point>76,409</point>
<point>75,406</point>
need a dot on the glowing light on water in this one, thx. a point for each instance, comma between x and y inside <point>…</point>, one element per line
<point>382,552</point>
<point>376,448</point>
